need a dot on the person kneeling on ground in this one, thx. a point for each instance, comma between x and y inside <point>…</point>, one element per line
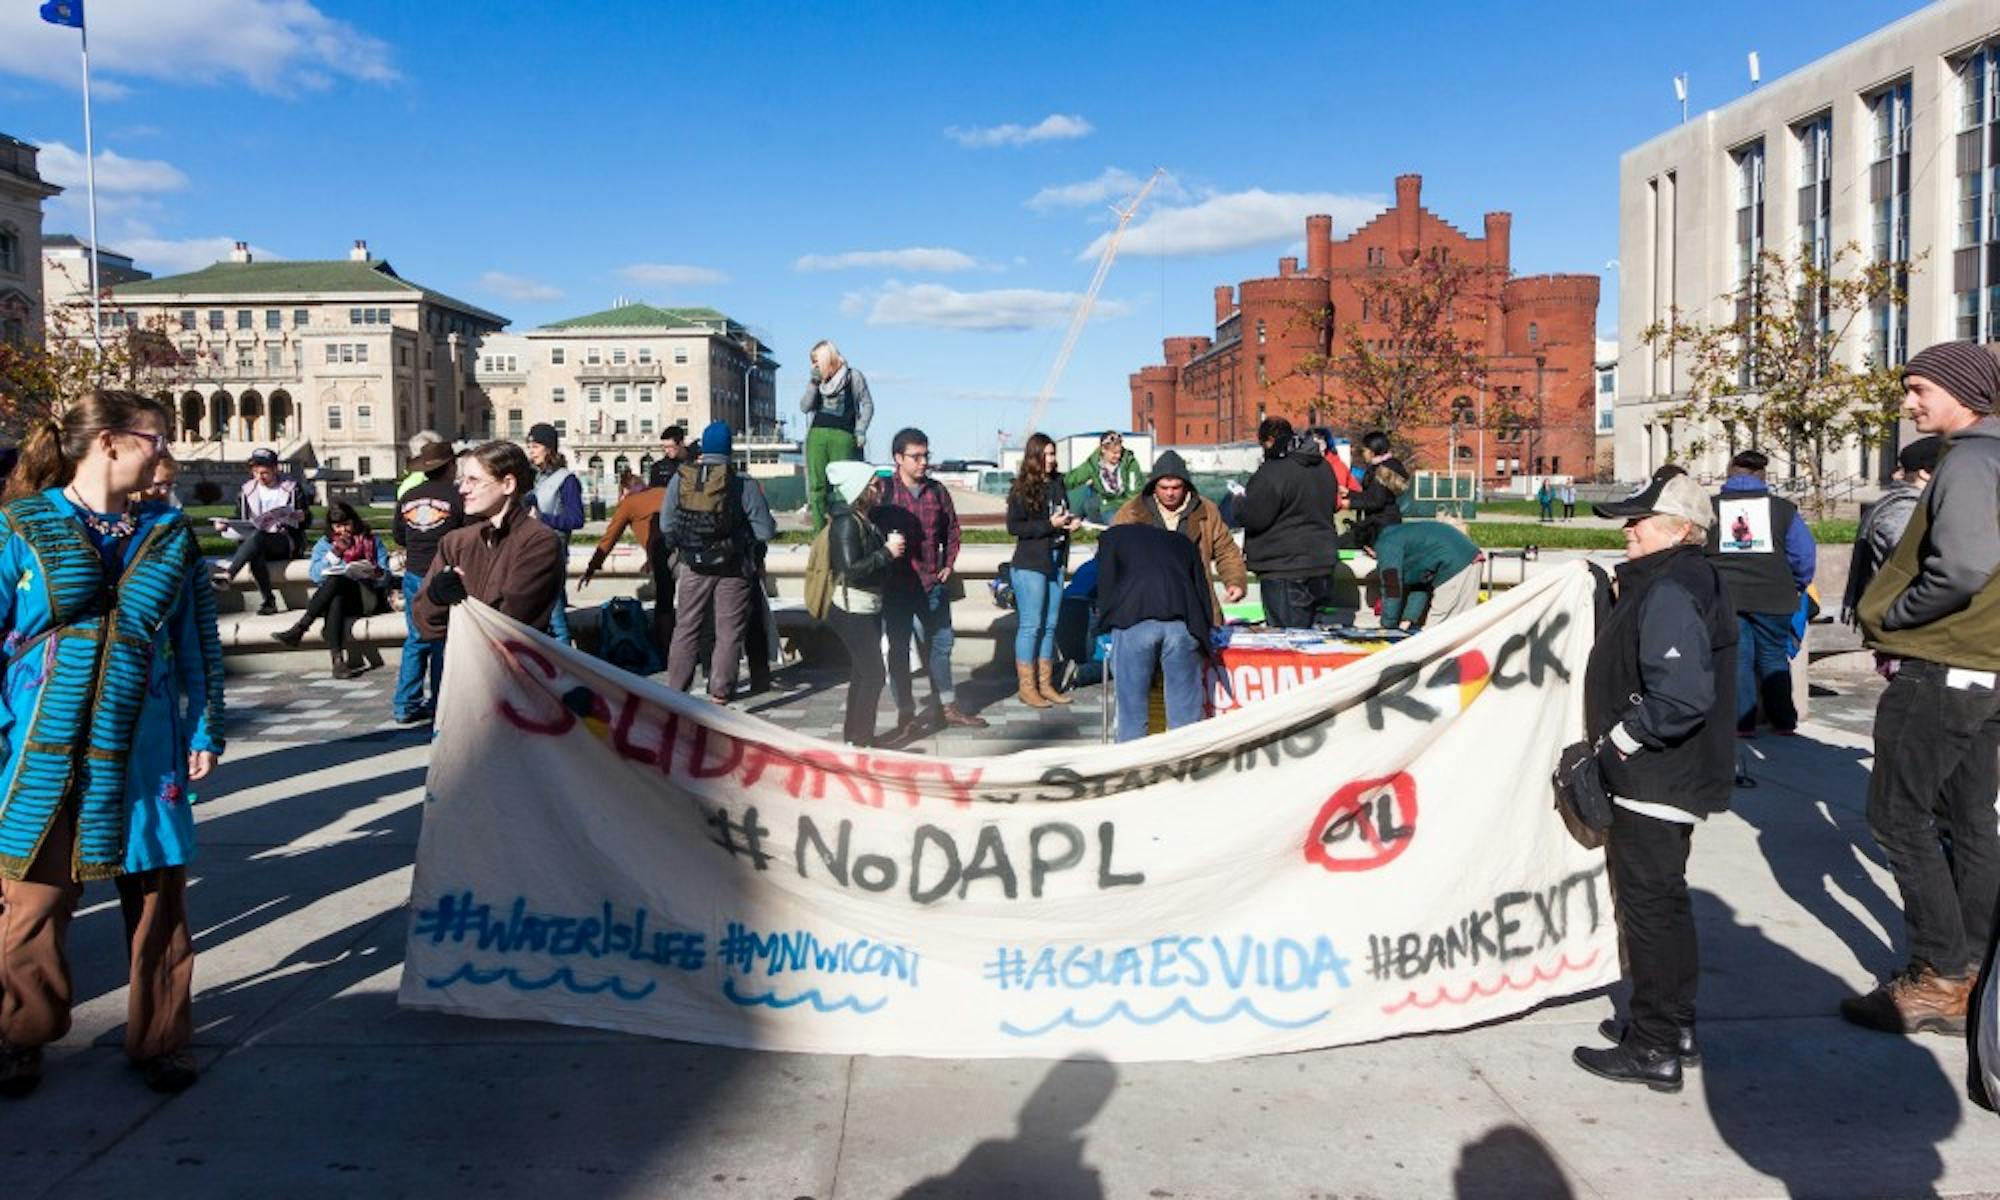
<point>1425,571</point>
<point>350,575</point>
<point>504,556</point>
<point>1658,705</point>
<point>1153,595</point>
<point>859,557</point>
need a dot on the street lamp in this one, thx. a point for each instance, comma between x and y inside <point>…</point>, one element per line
<point>1541,361</point>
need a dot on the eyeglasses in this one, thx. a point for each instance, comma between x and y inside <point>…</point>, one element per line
<point>158,441</point>
<point>916,456</point>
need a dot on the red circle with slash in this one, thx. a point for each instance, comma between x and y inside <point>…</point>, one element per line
<point>1376,817</point>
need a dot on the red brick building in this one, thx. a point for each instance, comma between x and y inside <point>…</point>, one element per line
<point>1540,337</point>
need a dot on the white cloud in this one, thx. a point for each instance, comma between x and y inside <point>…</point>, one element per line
<point>1237,221</point>
<point>1115,183</point>
<point>173,256</point>
<point>931,259</point>
<point>62,165</point>
<point>1053,128</point>
<point>276,46</point>
<point>1000,310</point>
<point>514,287</point>
<point>671,274</point>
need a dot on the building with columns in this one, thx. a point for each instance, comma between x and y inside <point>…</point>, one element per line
<point>1892,143</point>
<point>611,382</point>
<point>333,362</point>
<point>1537,337</point>
<point>22,192</point>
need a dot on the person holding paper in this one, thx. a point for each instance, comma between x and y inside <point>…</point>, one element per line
<point>272,511</point>
<point>350,574</point>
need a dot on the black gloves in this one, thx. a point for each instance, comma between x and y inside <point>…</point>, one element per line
<point>446,588</point>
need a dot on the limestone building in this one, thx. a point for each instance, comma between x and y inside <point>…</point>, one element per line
<point>66,280</point>
<point>611,382</point>
<point>22,191</point>
<point>337,361</point>
<point>1892,142</point>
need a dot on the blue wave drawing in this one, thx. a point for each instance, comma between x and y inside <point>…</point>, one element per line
<point>612,983</point>
<point>1242,1008</point>
<point>773,1000</point>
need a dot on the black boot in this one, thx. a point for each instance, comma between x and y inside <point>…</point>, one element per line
<point>20,1069</point>
<point>1627,1063</point>
<point>293,636</point>
<point>1689,1051</point>
<point>340,668</point>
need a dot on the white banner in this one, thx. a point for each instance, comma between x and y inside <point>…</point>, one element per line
<point>1373,853</point>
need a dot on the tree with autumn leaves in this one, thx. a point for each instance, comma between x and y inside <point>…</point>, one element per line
<point>36,381</point>
<point>1779,375</point>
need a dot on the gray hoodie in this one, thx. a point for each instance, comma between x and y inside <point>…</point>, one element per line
<point>1961,550</point>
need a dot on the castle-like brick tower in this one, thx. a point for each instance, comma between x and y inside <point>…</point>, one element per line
<point>1539,337</point>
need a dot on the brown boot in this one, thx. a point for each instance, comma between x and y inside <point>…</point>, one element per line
<point>958,718</point>
<point>1919,1000</point>
<point>1024,674</point>
<point>1045,682</point>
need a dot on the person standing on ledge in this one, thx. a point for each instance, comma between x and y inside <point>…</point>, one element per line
<point>1933,613</point>
<point>113,663</point>
<point>837,399</point>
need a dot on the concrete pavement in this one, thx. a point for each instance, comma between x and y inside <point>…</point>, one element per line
<point>317,1085</point>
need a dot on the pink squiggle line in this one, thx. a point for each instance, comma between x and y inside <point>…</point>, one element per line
<point>1475,989</point>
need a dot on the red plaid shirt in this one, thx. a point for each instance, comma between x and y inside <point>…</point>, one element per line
<point>929,524</point>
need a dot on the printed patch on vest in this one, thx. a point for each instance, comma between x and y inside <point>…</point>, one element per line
<point>1746,525</point>
<point>425,514</point>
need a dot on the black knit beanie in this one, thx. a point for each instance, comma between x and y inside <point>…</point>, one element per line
<point>1968,370</point>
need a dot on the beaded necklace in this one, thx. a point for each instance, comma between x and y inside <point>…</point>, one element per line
<point>123,526</point>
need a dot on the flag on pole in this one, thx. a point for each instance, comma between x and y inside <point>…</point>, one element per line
<point>64,12</point>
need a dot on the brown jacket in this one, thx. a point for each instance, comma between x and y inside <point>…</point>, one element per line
<point>518,568</point>
<point>1204,527</point>
<point>639,512</point>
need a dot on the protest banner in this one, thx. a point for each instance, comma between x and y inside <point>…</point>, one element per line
<point>1370,854</point>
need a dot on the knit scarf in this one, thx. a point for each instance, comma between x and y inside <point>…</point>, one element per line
<point>1108,476</point>
<point>831,387</point>
<point>354,547</point>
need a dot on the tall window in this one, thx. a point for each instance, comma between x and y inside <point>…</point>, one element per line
<point>594,393</point>
<point>364,417</point>
<point>645,355</point>
<point>1749,244</point>
<point>10,252</point>
<point>274,321</point>
<point>1889,200</point>
<point>333,416</point>
<point>301,317</point>
<point>592,356</point>
<point>1975,263</point>
<point>514,423</point>
<point>618,393</point>
<point>187,318</point>
<point>243,318</point>
<point>215,318</point>
<point>618,357</point>
<point>680,354</point>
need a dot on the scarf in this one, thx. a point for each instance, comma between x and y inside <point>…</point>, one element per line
<point>359,547</point>
<point>1108,475</point>
<point>831,387</point>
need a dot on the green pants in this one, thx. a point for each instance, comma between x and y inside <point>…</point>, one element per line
<point>825,446</point>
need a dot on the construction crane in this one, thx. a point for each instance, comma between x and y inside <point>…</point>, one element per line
<point>1083,308</point>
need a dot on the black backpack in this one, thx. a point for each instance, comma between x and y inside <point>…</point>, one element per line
<point>708,521</point>
<point>625,636</point>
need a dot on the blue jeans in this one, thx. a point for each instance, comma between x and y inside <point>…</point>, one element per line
<point>559,618</point>
<point>1037,600</point>
<point>1135,651</point>
<point>905,614</point>
<point>1295,603</point>
<point>419,656</point>
<point>1764,671</point>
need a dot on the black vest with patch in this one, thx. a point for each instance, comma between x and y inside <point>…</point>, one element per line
<point>1759,581</point>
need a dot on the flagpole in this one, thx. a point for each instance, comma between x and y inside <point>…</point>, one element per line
<point>90,186</point>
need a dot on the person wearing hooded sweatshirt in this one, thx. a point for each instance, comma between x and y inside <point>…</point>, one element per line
<point>841,408</point>
<point>1170,501</point>
<point>715,519</point>
<point>558,501</point>
<point>859,555</point>
<point>1883,522</point>
<point>1933,610</point>
<point>1154,598</point>
<point>1288,535</point>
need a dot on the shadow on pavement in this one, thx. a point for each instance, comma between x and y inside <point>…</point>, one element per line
<point>1045,1158</point>
<point>1508,1162</point>
<point>1814,844</point>
<point>1823,1107</point>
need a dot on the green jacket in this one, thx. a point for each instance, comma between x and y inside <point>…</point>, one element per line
<point>1417,554</point>
<point>1131,480</point>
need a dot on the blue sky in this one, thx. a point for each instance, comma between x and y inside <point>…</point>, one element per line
<point>922,184</point>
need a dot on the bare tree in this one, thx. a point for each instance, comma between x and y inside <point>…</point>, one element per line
<point>1422,345</point>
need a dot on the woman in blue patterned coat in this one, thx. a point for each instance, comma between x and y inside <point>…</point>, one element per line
<point>110,707</point>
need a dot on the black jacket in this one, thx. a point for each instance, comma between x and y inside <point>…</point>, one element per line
<point>1145,573</point>
<point>1287,515</point>
<point>857,553</point>
<point>1663,674</point>
<point>1760,582</point>
<point>1041,547</point>
<point>424,515</point>
<point>1382,486</point>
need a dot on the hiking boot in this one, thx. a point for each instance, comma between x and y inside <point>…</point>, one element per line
<point>20,1069</point>
<point>958,718</point>
<point>1916,1000</point>
<point>1685,1047</point>
<point>168,1073</point>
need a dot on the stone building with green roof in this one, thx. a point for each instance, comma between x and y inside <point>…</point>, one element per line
<point>336,362</point>
<point>611,382</point>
